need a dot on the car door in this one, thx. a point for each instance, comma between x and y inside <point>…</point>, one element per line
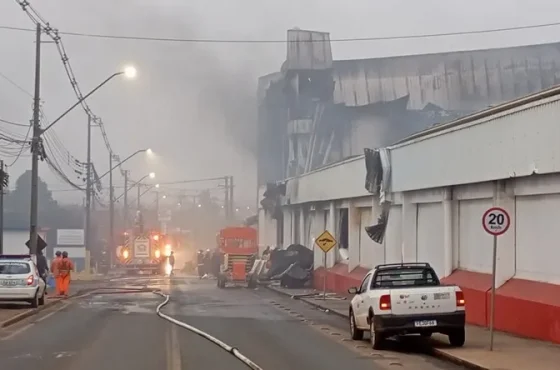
<point>361,310</point>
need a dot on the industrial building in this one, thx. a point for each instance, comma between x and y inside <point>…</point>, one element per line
<point>419,192</point>
<point>427,194</point>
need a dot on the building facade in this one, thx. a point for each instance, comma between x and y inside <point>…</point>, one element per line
<point>422,200</point>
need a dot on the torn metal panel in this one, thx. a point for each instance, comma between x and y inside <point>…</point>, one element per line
<point>308,50</point>
<point>457,81</point>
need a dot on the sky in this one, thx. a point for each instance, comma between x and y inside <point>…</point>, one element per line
<point>194,104</point>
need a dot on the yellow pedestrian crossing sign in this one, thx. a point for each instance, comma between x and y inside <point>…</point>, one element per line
<point>325,241</point>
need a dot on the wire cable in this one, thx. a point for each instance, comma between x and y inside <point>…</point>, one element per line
<point>247,41</point>
<point>54,34</point>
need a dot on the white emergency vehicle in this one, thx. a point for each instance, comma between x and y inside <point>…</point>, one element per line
<point>406,298</point>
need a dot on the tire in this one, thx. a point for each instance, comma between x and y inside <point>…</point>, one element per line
<point>35,301</point>
<point>42,300</point>
<point>377,340</point>
<point>457,337</point>
<point>355,333</point>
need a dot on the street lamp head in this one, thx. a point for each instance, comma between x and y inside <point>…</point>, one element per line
<point>200,205</point>
<point>152,175</point>
<point>157,186</point>
<point>165,196</point>
<point>149,151</point>
<point>130,72</point>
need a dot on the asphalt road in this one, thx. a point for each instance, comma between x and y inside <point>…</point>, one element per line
<point>122,331</point>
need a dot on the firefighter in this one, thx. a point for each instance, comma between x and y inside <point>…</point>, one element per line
<point>207,263</point>
<point>65,266</point>
<point>200,263</point>
<point>171,262</point>
<point>54,270</point>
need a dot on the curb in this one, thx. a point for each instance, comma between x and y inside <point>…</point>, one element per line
<point>31,312</point>
<point>34,311</point>
<point>436,352</point>
<point>307,301</point>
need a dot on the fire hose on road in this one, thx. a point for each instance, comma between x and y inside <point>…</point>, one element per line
<point>232,350</point>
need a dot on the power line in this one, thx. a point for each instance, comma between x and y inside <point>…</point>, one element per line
<point>247,41</point>
<point>54,34</point>
<point>13,123</point>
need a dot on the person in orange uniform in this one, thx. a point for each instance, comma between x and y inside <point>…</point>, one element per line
<point>54,270</point>
<point>65,266</point>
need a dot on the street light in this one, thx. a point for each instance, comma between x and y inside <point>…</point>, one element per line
<point>149,152</point>
<point>151,174</point>
<point>130,72</point>
<point>36,147</point>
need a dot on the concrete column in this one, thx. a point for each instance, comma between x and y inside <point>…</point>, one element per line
<point>354,221</point>
<point>288,226</point>
<point>447,232</point>
<point>505,266</point>
<point>409,230</point>
<point>331,256</point>
<point>302,233</point>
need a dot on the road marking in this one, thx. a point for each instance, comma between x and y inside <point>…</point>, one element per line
<point>173,348</point>
<point>20,330</point>
<point>24,328</point>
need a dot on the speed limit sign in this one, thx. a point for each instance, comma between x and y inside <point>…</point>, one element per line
<point>495,221</point>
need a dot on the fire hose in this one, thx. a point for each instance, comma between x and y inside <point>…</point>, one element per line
<point>232,350</point>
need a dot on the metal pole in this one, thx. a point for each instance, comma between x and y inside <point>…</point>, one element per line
<point>2,179</point>
<point>138,196</point>
<point>325,275</point>
<point>231,202</point>
<point>493,294</point>
<point>125,211</point>
<point>88,188</point>
<point>226,201</point>
<point>157,205</point>
<point>35,150</point>
<point>111,212</point>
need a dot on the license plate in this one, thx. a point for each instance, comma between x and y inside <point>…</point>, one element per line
<point>438,296</point>
<point>10,282</point>
<point>425,323</point>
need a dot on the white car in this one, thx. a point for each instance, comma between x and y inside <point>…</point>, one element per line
<point>20,281</point>
<point>406,298</point>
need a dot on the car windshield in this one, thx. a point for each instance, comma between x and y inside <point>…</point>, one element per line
<point>401,277</point>
<point>14,268</point>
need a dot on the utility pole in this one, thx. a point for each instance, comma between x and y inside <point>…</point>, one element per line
<point>231,202</point>
<point>88,188</point>
<point>35,148</point>
<point>138,195</point>
<point>226,201</point>
<point>2,179</point>
<point>157,209</point>
<point>125,200</point>
<point>111,212</point>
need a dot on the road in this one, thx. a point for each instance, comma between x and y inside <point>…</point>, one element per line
<point>121,331</point>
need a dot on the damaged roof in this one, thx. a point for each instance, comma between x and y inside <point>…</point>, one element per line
<point>458,81</point>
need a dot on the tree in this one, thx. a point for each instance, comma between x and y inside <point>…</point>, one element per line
<point>18,205</point>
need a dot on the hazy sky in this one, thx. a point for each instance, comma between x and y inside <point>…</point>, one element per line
<point>193,104</point>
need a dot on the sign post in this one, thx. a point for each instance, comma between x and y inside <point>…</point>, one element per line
<point>325,242</point>
<point>495,222</point>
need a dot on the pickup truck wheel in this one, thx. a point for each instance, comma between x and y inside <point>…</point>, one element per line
<point>376,339</point>
<point>356,333</point>
<point>457,337</point>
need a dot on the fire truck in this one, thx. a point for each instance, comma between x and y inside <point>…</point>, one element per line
<point>143,253</point>
<point>238,250</point>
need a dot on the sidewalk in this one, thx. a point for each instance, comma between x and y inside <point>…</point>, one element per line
<point>510,352</point>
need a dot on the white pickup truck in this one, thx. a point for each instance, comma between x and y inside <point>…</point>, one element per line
<point>406,298</point>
